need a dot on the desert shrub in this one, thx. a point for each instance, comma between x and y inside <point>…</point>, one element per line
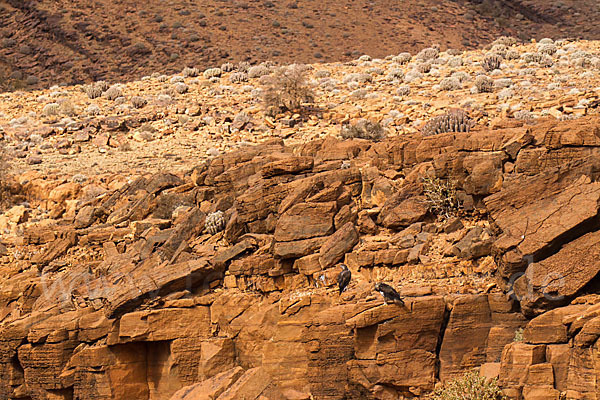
<point>212,73</point>
<point>227,67</point>
<point>358,77</point>
<point>286,89</point>
<point>363,129</point>
<point>471,386</point>
<point>138,101</point>
<point>402,58</point>
<point>93,91</point>
<point>429,53</point>
<point>92,109</point>
<point>113,92</point>
<point>359,93</point>
<point>66,107</point>
<point>423,67</point>
<point>403,90</point>
<point>412,75</point>
<point>531,57</point>
<point>396,73</point>
<point>461,76</point>
<point>4,167</point>
<point>491,62</point>
<point>103,85</point>
<point>450,83</point>
<point>238,77</point>
<point>546,61</point>
<point>455,120</point>
<point>51,109</point>
<point>547,48</point>
<point>181,88</point>
<point>189,72</point>
<point>455,62</point>
<point>257,71</point>
<point>523,115</point>
<point>505,40</point>
<point>441,197</point>
<point>243,66</point>
<point>375,71</point>
<point>512,54</point>
<point>499,49</point>
<point>484,84</point>
<point>518,335</point>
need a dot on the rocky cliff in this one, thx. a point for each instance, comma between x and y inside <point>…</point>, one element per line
<point>220,283</point>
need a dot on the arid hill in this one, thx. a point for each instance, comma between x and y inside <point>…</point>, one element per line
<point>44,42</point>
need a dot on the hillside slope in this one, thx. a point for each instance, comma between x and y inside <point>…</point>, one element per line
<point>47,42</point>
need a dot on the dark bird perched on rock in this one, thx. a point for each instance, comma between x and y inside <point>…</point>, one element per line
<point>389,294</point>
<point>343,278</point>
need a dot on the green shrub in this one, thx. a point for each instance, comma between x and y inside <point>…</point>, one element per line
<point>470,386</point>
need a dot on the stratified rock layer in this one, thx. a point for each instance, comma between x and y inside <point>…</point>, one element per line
<point>126,294</point>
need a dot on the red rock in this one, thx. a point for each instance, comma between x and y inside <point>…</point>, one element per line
<point>338,244</point>
<point>287,165</point>
<point>305,220</point>
<point>555,280</point>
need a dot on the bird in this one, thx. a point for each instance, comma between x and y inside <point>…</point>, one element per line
<point>389,294</point>
<point>344,277</point>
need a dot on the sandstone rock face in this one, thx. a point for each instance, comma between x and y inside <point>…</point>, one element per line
<point>127,295</point>
<point>556,279</point>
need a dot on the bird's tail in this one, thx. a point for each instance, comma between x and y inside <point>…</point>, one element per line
<point>399,302</point>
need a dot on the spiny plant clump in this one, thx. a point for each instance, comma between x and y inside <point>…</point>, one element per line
<point>491,62</point>
<point>363,129</point>
<point>441,197</point>
<point>212,73</point>
<point>471,386</point>
<point>287,89</point>
<point>93,91</point>
<point>455,120</point>
<point>190,72</point>
<point>215,222</point>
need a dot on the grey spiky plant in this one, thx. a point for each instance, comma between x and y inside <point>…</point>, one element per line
<point>455,120</point>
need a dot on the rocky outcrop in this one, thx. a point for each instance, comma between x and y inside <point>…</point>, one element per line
<point>128,294</point>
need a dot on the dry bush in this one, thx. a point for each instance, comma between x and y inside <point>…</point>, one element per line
<point>484,84</point>
<point>286,89</point>
<point>441,196</point>
<point>471,386</point>
<point>363,129</point>
<point>4,168</point>
<point>491,62</point>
